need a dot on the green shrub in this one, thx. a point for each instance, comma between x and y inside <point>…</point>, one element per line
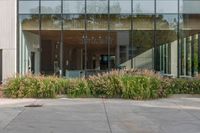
<point>185,86</point>
<point>78,88</point>
<point>30,86</point>
<point>106,85</point>
<point>140,87</point>
<point>130,84</point>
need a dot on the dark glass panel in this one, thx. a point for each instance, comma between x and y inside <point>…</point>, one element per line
<point>73,53</point>
<point>97,50</point>
<point>50,52</point>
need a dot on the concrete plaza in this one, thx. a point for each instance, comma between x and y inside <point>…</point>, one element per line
<point>172,115</point>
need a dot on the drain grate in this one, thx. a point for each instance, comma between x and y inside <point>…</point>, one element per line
<point>33,105</point>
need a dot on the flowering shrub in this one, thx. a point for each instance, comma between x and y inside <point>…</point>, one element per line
<point>130,84</point>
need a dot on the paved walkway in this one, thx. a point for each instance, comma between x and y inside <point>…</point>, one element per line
<point>174,115</point>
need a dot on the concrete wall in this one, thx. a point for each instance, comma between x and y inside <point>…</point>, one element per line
<point>8,18</point>
<point>174,58</point>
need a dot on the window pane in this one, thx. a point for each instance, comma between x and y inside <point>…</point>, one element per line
<point>166,22</point>
<point>120,22</point>
<point>196,48</point>
<point>50,52</point>
<point>29,7</point>
<point>51,22</point>
<point>120,6</point>
<point>167,6</point>
<point>29,22</point>
<point>97,22</point>
<point>29,40</point>
<point>143,6</point>
<point>121,49</point>
<point>143,48</point>
<point>143,22</point>
<point>97,6</point>
<point>74,22</point>
<point>97,50</point>
<point>167,44</point>
<point>48,7</point>
<point>143,35</point>
<point>73,53</point>
<point>189,26</point>
<point>190,21</point>
<point>74,6</point>
<point>189,6</point>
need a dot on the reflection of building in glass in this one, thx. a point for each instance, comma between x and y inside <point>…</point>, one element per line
<point>78,37</point>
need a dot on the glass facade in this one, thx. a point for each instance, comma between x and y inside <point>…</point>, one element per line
<point>81,37</point>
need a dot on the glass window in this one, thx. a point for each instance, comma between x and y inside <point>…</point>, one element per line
<point>190,21</point>
<point>73,53</point>
<point>189,6</point>
<point>143,48</point>
<point>167,6</point>
<point>120,6</point>
<point>189,26</point>
<point>143,22</point>
<point>97,6</point>
<point>97,50</point>
<point>120,49</point>
<point>28,7</point>
<point>195,53</point>
<point>29,22</point>
<point>74,22</point>
<point>167,44</point>
<point>143,40</point>
<point>50,7</point>
<point>120,22</point>
<point>29,40</point>
<point>51,22</point>
<point>143,6</point>
<point>74,6</point>
<point>166,22</point>
<point>97,22</point>
<point>50,52</point>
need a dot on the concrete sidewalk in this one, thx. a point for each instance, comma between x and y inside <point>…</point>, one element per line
<point>174,115</point>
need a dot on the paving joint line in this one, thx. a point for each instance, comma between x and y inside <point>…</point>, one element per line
<point>106,113</point>
<point>16,116</point>
<point>14,119</point>
<point>182,109</point>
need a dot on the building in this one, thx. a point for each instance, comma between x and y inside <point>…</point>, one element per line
<point>81,37</point>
